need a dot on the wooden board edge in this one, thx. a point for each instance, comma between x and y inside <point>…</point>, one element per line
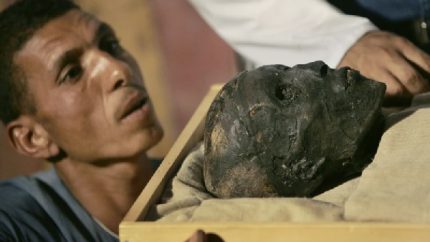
<point>191,134</point>
<point>277,232</point>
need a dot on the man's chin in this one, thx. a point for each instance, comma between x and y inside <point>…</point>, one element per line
<point>138,145</point>
<point>150,138</point>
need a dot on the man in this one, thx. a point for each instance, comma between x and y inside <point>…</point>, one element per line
<point>70,94</point>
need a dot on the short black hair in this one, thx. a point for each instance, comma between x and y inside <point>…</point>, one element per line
<point>18,23</point>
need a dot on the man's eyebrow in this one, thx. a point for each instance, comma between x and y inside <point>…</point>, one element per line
<point>73,54</point>
<point>67,57</point>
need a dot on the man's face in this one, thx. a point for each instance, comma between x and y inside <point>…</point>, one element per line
<point>88,91</point>
<point>289,130</point>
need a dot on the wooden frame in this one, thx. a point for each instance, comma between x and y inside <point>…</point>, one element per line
<point>133,229</point>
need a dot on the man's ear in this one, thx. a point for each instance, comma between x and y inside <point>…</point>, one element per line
<point>30,138</point>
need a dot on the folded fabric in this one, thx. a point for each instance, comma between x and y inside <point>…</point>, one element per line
<point>396,185</point>
<point>266,210</point>
<point>186,200</point>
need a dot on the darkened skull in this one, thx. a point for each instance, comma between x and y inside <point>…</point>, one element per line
<point>280,131</point>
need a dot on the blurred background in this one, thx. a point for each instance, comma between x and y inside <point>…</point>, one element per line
<point>180,56</point>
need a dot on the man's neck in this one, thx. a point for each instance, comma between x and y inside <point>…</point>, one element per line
<point>106,191</point>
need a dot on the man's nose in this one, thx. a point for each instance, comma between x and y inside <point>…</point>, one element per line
<point>111,73</point>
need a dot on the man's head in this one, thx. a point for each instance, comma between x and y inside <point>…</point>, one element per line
<point>18,24</point>
<point>72,89</point>
<point>280,131</point>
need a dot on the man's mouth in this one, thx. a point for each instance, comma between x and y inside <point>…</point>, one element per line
<point>134,104</point>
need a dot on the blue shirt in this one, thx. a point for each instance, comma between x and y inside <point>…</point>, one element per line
<point>40,208</point>
<point>398,10</point>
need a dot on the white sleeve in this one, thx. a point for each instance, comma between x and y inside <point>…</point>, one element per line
<point>285,32</point>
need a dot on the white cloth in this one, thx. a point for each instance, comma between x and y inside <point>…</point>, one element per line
<point>285,32</point>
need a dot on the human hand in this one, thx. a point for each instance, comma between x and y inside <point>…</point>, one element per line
<point>198,236</point>
<point>393,60</point>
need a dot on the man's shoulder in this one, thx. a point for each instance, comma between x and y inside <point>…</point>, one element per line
<point>21,216</point>
<point>15,201</point>
<point>13,196</point>
<point>40,208</point>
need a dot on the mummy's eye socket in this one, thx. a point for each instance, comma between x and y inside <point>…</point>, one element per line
<point>286,93</point>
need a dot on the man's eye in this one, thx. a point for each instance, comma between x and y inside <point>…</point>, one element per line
<point>111,46</point>
<point>72,74</point>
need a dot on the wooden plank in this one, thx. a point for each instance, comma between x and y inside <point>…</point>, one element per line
<point>191,134</point>
<point>278,232</point>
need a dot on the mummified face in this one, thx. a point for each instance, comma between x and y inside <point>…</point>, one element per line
<point>280,131</point>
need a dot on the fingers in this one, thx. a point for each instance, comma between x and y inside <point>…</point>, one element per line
<point>198,236</point>
<point>394,86</point>
<point>396,93</point>
<point>413,54</point>
<point>391,59</point>
<point>408,75</point>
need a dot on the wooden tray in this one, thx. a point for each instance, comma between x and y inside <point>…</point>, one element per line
<point>134,229</point>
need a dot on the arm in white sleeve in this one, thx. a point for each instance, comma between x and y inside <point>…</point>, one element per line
<point>285,32</point>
